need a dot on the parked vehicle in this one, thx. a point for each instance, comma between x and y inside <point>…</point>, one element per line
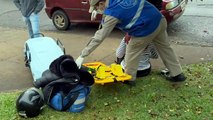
<point>65,12</point>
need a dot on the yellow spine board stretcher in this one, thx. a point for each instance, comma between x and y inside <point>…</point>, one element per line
<point>107,74</point>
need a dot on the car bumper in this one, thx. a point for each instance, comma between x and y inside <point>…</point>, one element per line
<point>175,13</point>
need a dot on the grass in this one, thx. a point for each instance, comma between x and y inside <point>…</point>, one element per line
<point>153,98</point>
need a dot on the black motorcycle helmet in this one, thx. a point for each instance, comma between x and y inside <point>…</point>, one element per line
<point>30,102</point>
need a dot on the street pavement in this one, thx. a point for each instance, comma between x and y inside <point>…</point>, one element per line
<point>14,75</point>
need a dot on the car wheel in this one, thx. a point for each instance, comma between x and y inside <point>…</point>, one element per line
<point>60,20</point>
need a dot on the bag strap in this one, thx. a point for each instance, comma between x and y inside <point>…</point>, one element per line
<point>72,100</point>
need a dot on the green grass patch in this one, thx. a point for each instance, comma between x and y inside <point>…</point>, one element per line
<point>153,98</point>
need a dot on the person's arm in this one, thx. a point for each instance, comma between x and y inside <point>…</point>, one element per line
<point>108,25</point>
<point>17,4</point>
<point>120,51</point>
<point>39,6</point>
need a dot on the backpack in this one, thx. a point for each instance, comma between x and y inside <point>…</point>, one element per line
<point>64,85</point>
<point>74,101</point>
<point>64,96</point>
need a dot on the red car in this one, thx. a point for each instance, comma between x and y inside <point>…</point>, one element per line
<point>64,12</point>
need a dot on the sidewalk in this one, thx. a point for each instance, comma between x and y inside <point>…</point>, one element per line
<point>14,74</point>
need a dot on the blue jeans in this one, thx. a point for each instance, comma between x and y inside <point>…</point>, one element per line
<point>32,23</point>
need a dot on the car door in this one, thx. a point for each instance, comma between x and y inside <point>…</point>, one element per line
<point>72,8</point>
<point>85,10</point>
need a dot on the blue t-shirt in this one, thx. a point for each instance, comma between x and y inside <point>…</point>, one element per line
<point>137,17</point>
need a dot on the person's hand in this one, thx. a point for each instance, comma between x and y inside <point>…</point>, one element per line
<point>93,15</point>
<point>79,61</point>
<point>127,38</point>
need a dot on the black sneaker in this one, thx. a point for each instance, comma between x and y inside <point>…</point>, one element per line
<point>177,78</point>
<point>165,73</point>
<point>130,83</point>
<point>143,73</point>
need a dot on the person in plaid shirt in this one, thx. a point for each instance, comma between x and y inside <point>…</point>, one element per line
<point>144,67</point>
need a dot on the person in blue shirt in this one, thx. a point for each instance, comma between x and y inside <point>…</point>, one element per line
<point>145,24</point>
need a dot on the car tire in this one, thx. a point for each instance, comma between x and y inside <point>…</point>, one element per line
<point>60,20</point>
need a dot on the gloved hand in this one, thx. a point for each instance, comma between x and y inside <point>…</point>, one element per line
<point>93,15</point>
<point>79,61</point>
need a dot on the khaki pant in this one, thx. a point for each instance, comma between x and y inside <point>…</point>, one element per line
<point>159,38</point>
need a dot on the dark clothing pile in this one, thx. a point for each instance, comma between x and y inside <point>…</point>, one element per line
<point>63,75</point>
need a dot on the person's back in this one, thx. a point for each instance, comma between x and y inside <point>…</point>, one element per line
<point>138,18</point>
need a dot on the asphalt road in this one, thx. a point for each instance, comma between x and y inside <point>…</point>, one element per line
<point>195,26</point>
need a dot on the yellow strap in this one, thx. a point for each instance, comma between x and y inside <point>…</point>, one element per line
<point>117,70</point>
<point>100,73</point>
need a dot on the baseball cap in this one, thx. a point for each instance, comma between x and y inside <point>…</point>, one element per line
<point>92,5</point>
